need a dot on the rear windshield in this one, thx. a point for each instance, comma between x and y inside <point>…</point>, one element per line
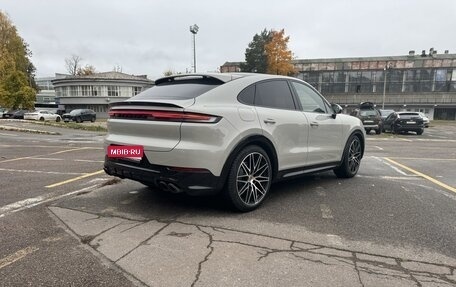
<point>179,89</point>
<point>409,116</point>
<point>365,113</point>
<point>386,112</point>
<point>75,112</point>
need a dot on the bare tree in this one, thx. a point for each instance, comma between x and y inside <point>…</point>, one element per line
<point>73,64</point>
<point>86,71</point>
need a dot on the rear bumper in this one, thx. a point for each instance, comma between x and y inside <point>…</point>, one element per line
<point>408,128</point>
<point>192,183</point>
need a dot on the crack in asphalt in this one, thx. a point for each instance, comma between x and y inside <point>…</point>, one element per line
<point>206,258</point>
<point>143,242</point>
<point>293,250</point>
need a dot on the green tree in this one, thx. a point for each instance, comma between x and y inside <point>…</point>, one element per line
<point>15,92</point>
<point>278,55</point>
<point>255,54</point>
<point>17,73</point>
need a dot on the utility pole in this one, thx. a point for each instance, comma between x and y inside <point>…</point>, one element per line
<point>194,29</point>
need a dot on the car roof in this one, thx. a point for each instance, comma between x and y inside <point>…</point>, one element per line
<point>223,77</point>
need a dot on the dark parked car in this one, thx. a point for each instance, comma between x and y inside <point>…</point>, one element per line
<point>370,117</point>
<point>80,115</point>
<point>403,122</point>
<point>15,114</point>
<point>385,113</point>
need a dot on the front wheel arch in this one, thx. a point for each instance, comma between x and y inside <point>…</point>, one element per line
<point>339,170</point>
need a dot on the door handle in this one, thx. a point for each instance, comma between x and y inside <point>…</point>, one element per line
<point>269,121</point>
<point>314,124</point>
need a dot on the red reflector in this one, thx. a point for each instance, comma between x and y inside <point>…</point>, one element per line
<point>126,151</point>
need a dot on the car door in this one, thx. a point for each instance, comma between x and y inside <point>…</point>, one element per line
<point>285,126</point>
<point>325,131</point>
<point>389,121</point>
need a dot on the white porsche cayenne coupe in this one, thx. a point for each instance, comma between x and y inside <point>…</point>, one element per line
<point>230,133</point>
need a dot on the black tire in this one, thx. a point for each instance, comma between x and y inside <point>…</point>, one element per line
<point>249,179</point>
<point>92,119</point>
<point>42,119</point>
<point>79,120</point>
<point>420,132</point>
<point>393,130</point>
<point>368,131</point>
<point>378,131</point>
<point>351,159</point>
<point>57,119</point>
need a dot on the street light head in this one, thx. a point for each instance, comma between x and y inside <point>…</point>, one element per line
<point>194,29</point>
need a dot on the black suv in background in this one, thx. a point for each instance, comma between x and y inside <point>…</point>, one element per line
<point>370,116</point>
<point>80,115</point>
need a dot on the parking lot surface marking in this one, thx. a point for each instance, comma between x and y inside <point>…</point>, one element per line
<point>422,158</point>
<point>431,179</point>
<point>18,255</point>
<point>34,201</point>
<point>41,155</point>
<point>40,171</point>
<point>74,179</point>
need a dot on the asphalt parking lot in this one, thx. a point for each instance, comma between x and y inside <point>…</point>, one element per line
<point>64,222</point>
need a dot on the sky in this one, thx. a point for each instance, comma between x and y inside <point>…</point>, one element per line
<point>152,36</point>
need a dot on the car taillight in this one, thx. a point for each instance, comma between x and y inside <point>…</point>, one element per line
<point>163,116</point>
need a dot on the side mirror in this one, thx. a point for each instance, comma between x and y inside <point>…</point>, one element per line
<point>337,110</point>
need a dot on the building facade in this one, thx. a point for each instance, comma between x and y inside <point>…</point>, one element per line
<point>423,82</point>
<point>46,94</point>
<point>97,91</point>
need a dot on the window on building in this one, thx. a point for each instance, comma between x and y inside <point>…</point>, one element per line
<point>96,91</point>
<point>73,91</point>
<point>113,91</point>
<point>136,90</point>
<point>85,91</point>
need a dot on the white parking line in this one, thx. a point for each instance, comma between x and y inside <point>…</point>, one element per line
<point>47,158</point>
<point>377,147</point>
<point>390,165</point>
<point>18,255</point>
<point>9,135</point>
<point>88,160</point>
<point>43,172</point>
<point>34,201</point>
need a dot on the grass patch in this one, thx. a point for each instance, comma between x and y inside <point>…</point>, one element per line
<point>75,126</point>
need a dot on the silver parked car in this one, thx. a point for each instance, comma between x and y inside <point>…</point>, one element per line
<point>235,133</point>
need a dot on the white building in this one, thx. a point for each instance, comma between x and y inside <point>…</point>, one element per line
<point>96,91</point>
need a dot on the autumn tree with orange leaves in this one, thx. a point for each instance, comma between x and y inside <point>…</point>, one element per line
<point>278,55</point>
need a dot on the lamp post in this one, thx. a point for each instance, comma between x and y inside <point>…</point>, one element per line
<point>385,70</point>
<point>194,29</point>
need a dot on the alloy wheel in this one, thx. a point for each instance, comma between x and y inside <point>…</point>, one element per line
<point>253,178</point>
<point>354,155</point>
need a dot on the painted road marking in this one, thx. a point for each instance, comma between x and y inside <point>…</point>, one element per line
<point>74,179</point>
<point>46,158</point>
<point>326,211</point>
<point>43,172</point>
<point>377,147</point>
<point>34,201</point>
<point>35,156</point>
<point>431,179</point>
<point>18,255</point>
<point>390,165</point>
<point>88,160</point>
<point>426,159</point>
<point>10,135</point>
